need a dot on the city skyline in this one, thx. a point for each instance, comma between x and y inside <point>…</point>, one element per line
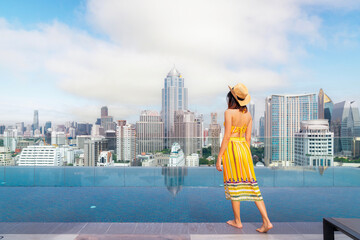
<point>83,62</point>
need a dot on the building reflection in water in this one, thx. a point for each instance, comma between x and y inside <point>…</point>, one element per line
<point>174,178</point>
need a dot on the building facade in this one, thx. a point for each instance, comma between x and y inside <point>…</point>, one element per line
<point>40,156</point>
<point>174,97</point>
<point>314,144</point>
<point>149,132</point>
<point>126,142</point>
<point>283,114</point>
<point>92,150</point>
<point>345,123</point>
<point>188,132</point>
<point>214,135</point>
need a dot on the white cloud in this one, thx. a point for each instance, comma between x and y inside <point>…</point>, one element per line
<point>213,43</point>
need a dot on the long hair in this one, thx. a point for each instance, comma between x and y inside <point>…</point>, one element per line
<point>233,104</point>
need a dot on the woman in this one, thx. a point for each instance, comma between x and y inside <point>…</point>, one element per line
<point>239,178</point>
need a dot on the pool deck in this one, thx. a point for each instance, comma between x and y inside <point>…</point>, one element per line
<point>152,231</point>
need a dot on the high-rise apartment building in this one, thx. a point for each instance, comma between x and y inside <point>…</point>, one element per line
<point>58,138</point>
<point>214,135</point>
<point>174,97</point>
<point>126,142</point>
<point>20,127</point>
<point>149,132</point>
<point>283,114</point>
<point>188,130</point>
<point>92,150</point>
<point>314,144</point>
<point>345,123</point>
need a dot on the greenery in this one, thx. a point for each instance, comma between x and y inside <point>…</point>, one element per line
<point>257,154</point>
<point>121,161</point>
<point>165,151</point>
<point>346,160</point>
<point>206,152</point>
<point>70,164</point>
<point>114,157</point>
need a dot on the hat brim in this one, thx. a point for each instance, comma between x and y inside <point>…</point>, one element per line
<point>241,102</point>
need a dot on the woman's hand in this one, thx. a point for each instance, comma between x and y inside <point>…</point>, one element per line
<point>218,164</point>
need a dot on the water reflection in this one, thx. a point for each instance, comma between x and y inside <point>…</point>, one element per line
<point>174,178</point>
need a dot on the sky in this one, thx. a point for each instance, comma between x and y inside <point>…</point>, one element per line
<point>69,58</point>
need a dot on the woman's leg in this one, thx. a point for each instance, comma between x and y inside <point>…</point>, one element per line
<point>236,209</point>
<point>266,221</point>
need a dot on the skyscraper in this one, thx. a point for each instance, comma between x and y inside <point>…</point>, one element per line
<point>345,123</point>
<point>187,131</point>
<point>174,97</point>
<point>36,120</point>
<point>214,135</point>
<point>106,121</point>
<point>262,128</point>
<point>283,114</point>
<point>252,112</point>
<point>92,150</point>
<point>125,142</point>
<point>325,106</point>
<point>149,132</point>
<point>104,111</point>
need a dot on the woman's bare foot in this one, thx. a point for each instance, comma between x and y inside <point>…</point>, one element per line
<point>265,227</point>
<point>234,223</point>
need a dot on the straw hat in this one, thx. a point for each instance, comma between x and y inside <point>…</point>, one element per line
<point>241,94</point>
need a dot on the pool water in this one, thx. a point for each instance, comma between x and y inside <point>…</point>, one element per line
<point>171,204</point>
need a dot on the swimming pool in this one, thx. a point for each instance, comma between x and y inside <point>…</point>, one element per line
<point>171,195</point>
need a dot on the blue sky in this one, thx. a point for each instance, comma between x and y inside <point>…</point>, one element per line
<point>69,58</point>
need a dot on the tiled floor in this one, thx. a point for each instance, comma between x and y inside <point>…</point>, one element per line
<point>171,231</point>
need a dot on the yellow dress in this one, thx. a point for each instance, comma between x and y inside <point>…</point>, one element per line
<point>239,177</point>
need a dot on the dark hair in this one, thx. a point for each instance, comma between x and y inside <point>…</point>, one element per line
<point>233,104</point>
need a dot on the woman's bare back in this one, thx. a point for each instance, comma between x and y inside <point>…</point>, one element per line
<point>240,120</point>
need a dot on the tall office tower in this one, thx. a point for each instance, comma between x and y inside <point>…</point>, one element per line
<point>283,114</point>
<point>149,132</point>
<point>262,128</point>
<point>199,129</point>
<point>252,112</point>
<point>40,156</point>
<point>325,106</point>
<point>92,149</point>
<point>83,129</point>
<point>110,135</point>
<point>214,135</point>
<point>80,140</point>
<point>72,133</point>
<point>58,138</point>
<point>345,123</point>
<point>106,121</point>
<point>36,120</point>
<point>186,132</point>
<point>47,126</point>
<point>206,137</point>
<point>97,130</point>
<point>314,144</point>
<point>104,111</point>
<point>20,127</point>
<point>2,129</point>
<point>174,97</point>
<point>10,138</point>
<point>126,142</point>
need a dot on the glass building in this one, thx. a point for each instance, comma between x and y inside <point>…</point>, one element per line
<point>174,97</point>
<point>345,123</point>
<point>283,115</point>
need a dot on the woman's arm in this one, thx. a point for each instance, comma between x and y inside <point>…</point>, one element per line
<point>248,132</point>
<point>226,138</point>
